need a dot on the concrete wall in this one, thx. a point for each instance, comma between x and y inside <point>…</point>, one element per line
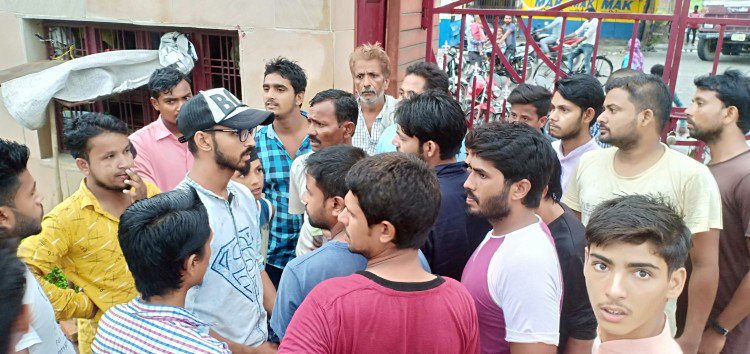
<point>319,34</point>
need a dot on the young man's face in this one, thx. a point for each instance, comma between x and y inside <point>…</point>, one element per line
<point>24,217</point>
<point>618,122</point>
<point>565,118</point>
<point>279,96</point>
<point>253,179</point>
<point>486,193</point>
<point>324,129</point>
<point>705,116</point>
<point>109,156</point>
<point>628,286</point>
<point>412,85</point>
<point>229,151</point>
<point>369,81</point>
<point>362,238</point>
<point>407,144</point>
<point>526,114</point>
<point>316,206</point>
<point>169,103</point>
<point>507,19</point>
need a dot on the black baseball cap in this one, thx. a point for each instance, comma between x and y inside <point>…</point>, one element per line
<point>218,106</point>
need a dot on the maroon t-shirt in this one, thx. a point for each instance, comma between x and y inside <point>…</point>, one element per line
<point>733,178</point>
<point>363,313</point>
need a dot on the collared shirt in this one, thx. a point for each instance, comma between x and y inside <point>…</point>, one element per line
<point>80,237</point>
<point>568,163</point>
<point>138,327</point>
<point>160,157</point>
<point>277,163</point>
<point>230,297</point>
<point>297,188</point>
<point>662,344</point>
<point>368,139</point>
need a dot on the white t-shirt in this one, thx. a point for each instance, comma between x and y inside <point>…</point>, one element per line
<point>588,29</point>
<point>297,187</point>
<point>44,335</point>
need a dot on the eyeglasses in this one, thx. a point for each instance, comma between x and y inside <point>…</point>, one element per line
<point>243,134</point>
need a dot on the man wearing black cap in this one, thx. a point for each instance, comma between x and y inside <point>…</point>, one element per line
<point>216,126</point>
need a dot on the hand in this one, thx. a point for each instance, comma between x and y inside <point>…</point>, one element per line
<point>137,190</point>
<point>689,346</point>
<point>267,347</point>
<point>712,342</point>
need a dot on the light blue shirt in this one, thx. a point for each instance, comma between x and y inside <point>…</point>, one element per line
<point>555,26</point>
<point>385,143</point>
<point>231,295</point>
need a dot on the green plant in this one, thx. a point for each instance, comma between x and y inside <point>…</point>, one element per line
<point>57,277</point>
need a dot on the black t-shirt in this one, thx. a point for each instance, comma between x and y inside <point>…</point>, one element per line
<point>577,318</point>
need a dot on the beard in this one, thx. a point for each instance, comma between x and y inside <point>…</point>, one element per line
<point>706,135</point>
<point>225,162</point>
<point>25,226</point>
<point>624,142</point>
<point>571,134</point>
<point>317,223</point>
<point>494,208</point>
<point>374,100</point>
<point>110,187</point>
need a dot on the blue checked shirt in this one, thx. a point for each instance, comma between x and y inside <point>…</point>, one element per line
<point>285,227</point>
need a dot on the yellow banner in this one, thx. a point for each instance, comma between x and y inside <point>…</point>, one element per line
<point>619,6</point>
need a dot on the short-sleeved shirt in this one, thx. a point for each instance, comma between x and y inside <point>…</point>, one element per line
<point>138,327</point>
<point>363,313</point>
<point>455,234</point>
<point>368,139</point>
<point>733,178</point>
<point>277,163</point>
<point>516,283</point>
<point>44,335</point>
<point>686,183</point>
<point>160,157</point>
<point>303,273</point>
<point>297,187</point>
<point>661,344</point>
<point>577,319</point>
<point>510,41</point>
<point>568,163</point>
<point>588,29</point>
<point>232,290</point>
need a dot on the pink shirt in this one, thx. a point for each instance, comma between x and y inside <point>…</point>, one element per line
<point>662,344</point>
<point>568,163</point>
<point>161,158</point>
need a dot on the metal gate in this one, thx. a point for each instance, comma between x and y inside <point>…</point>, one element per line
<point>524,19</point>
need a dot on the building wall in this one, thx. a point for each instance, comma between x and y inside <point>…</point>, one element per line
<point>319,34</point>
<point>405,38</point>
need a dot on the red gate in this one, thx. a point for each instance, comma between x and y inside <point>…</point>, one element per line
<point>524,20</point>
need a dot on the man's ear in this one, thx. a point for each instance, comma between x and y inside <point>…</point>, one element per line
<point>337,205</point>
<point>589,115</point>
<point>520,189</point>
<point>676,283</point>
<point>543,121</point>
<point>299,98</point>
<point>203,142</point>
<point>431,149</point>
<point>83,166</point>
<point>190,268</point>
<point>732,116</point>
<point>154,103</point>
<point>349,128</point>
<point>385,232</point>
<point>7,218</point>
<point>646,116</point>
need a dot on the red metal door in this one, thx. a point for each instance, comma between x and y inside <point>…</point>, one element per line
<point>369,21</point>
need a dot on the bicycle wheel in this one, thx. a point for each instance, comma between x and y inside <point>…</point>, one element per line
<point>545,76</point>
<point>603,67</point>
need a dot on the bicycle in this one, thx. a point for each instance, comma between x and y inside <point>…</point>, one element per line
<point>602,66</point>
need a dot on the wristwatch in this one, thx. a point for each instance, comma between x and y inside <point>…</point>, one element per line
<point>717,327</point>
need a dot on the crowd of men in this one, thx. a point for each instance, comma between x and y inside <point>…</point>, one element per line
<point>371,224</point>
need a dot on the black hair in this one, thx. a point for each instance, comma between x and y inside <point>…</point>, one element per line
<point>733,89</point>
<point>434,77</point>
<point>584,91</point>
<point>657,70</point>
<point>78,131</point>
<point>646,92</point>
<point>384,181</point>
<point>158,234</point>
<point>622,72</point>
<point>329,167</point>
<point>164,80</point>
<point>13,283</point>
<point>344,103</point>
<point>636,219</point>
<point>13,160</point>
<point>518,151</point>
<point>433,115</point>
<point>539,96</point>
<point>554,187</point>
<point>289,70</point>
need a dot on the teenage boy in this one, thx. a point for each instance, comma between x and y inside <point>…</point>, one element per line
<point>166,241</point>
<point>332,120</point>
<point>576,103</point>
<point>20,217</point>
<point>530,104</point>
<point>720,116</point>
<point>394,305</point>
<point>636,110</point>
<point>161,158</point>
<point>514,276</point>
<point>431,126</point>
<point>79,235</point>
<point>216,127</point>
<point>284,84</point>
<point>635,264</point>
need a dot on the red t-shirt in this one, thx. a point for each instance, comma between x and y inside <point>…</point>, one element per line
<point>694,14</point>
<point>363,313</point>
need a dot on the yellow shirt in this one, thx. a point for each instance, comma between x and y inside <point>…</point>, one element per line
<point>81,238</point>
